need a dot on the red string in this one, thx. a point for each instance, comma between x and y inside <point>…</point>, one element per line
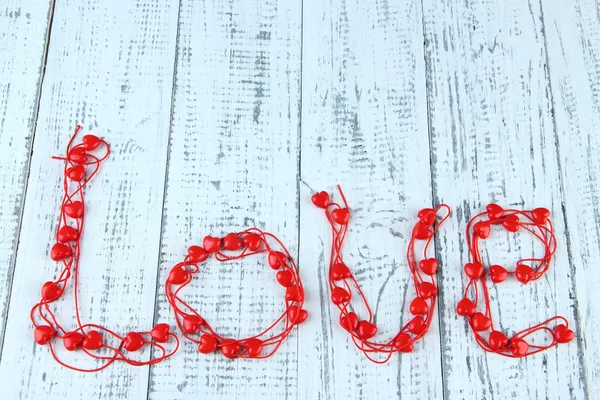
<point>536,222</point>
<point>247,243</point>
<point>341,281</point>
<point>81,165</point>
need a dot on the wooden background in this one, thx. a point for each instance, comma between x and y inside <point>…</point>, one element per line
<point>216,110</point>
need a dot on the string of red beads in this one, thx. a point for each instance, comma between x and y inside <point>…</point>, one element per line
<point>537,222</point>
<point>237,245</point>
<point>422,272</point>
<point>81,165</point>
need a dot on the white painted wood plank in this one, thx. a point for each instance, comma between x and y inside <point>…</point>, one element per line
<point>573,42</point>
<point>23,27</point>
<point>110,66</point>
<point>364,126</point>
<point>493,141</point>
<point>233,165</point>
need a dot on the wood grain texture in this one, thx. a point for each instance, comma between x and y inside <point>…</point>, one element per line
<point>110,67</point>
<point>233,165</point>
<point>23,28</point>
<point>573,45</point>
<point>493,140</point>
<point>364,126</point>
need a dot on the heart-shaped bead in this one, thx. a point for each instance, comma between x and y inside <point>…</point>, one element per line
<point>43,333</point>
<point>253,347</point>
<point>285,278</point>
<point>133,341</point>
<point>497,340</point>
<point>178,275</point>
<point>563,334</point>
<point>418,306</point>
<point>60,251</point>
<point>519,347</point>
<point>341,215</point>
<point>482,229</point>
<point>196,254</point>
<point>160,333</point>
<point>494,211</point>
<point>366,330</point>
<point>74,209</point>
<point>540,215</point>
<point>51,291</point>
<point>427,216</point>
<point>230,348</point>
<point>91,142</point>
<point>277,259</point>
<point>511,222</point>
<point>73,340</point>
<point>426,290</point>
<point>340,271</point>
<point>207,344</point>
<point>232,242</point>
<point>340,296</point>
<point>349,322</point>
<point>93,341</point>
<point>191,323</point>
<point>417,325</point>
<point>252,241</point>
<point>211,244</point>
<point>480,322</point>
<point>78,155</point>
<point>403,342</point>
<point>67,234</point>
<point>497,273</point>
<point>320,199</point>
<point>422,231</point>
<point>474,270</point>
<point>429,266</point>
<point>465,307</point>
<point>297,315</point>
<point>76,173</point>
<point>294,293</point>
<point>524,273</point>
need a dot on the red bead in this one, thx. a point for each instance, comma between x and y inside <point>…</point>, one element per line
<point>482,229</point>
<point>427,216</point>
<point>133,341</point>
<point>339,296</point>
<point>349,322</point>
<point>43,333</point>
<point>67,234</point>
<point>285,278</point>
<point>73,340</point>
<point>465,307</point>
<point>341,215</point>
<point>524,273</point>
<point>178,275</point>
<point>421,231</point>
<point>76,173</point>
<point>91,142</point>
<point>60,252</point>
<point>277,259</point>
<point>253,347</point>
<point>320,199</point>
<point>474,270</point>
<point>418,306</point>
<point>563,334</point>
<point>93,341</point>
<point>252,241</point>
<point>511,223</point>
<point>494,211</point>
<point>294,293</point>
<point>497,340</point>
<point>417,325</point>
<point>497,273</point>
<point>480,322</point>
<point>208,344</point>
<point>519,347</point>
<point>196,254</point>
<point>429,266</point>
<point>403,342</point>
<point>78,155</point>
<point>230,348</point>
<point>426,290</point>
<point>297,315</point>
<point>232,242</point>
<point>340,271</point>
<point>211,244</point>
<point>160,333</point>
<point>191,323</point>
<point>366,330</point>
<point>51,291</point>
<point>540,215</point>
<point>74,209</point>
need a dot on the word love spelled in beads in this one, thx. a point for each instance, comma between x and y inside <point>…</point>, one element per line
<point>235,246</point>
<point>82,162</point>
<point>423,276</point>
<point>536,222</point>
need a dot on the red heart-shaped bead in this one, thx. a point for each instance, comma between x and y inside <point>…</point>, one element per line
<point>340,271</point>
<point>366,330</point>
<point>465,307</point>
<point>482,229</point>
<point>417,325</point>
<point>511,223</point>
<point>211,244</point>
<point>253,347</point>
<point>230,348</point>
<point>474,270</point>
<point>285,278</point>
<point>297,315</point>
<point>427,216</point>
<point>73,340</point>
<point>497,340</point>
<point>540,215</point>
<point>160,333</point>
<point>563,334</point>
<point>341,215</point>
<point>426,290</point>
<point>196,254</point>
<point>480,322</point>
<point>429,266</point>
<point>67,234</point>
<point>51,291</point>
<point>497,273</point>
<point>421,231</point>
<point>232,242</point>
<point>418,306</point>
<point>43,333</point>
<point>76,173</point>
<point>78,155</point>
<point>60,251</point>
<point>494,211</point>
<point>519,347</point>
<point>294,293</point>
<point>339,296</point>
<point>349,322</point>
<point>277,259</point>
<point>191,323</point>
<point>133,341</point>
<point>207,344</point>
<point>320,199</point>
<point>93,341</point>
<point>178,275</point>
<point>252,241</point>
<point>91,142</point>
<point>524,273</point>
<point>74,209</point>
<point>403,342</point>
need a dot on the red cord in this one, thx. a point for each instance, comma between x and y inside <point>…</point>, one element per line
<point>250,242</point>
<point>422,272</point>
<point>536,222</point>
<point>81,165</point>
